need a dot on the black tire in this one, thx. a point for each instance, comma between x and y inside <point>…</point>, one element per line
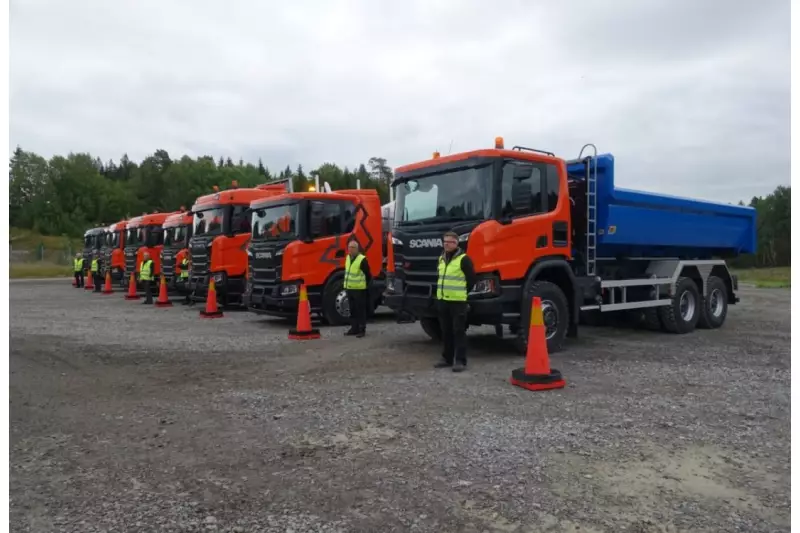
<point>671,317</point>
<point>330,309</point>
<point>652,320</point>
<point>548,292</point>
<point>715,304</point>
<point>432,328</point>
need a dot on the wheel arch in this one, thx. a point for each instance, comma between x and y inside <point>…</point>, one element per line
<point>556,270</point>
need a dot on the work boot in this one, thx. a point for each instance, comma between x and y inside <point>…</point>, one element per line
<point>459,367</point>
<point>350,332</point>
<point>361,333</point>
<point>442,364</point>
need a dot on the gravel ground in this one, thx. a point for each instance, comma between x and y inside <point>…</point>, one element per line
<point>129,418</point>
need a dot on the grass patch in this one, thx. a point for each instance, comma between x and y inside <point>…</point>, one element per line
<point>23,239</point>
<point>38,270</point>
<point>766,278</point>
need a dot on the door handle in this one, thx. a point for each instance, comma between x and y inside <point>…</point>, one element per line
<point>339,253</point>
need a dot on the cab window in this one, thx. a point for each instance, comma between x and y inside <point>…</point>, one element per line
<point>240,220</point>
<point>325,219</point>
<point>528,189</point>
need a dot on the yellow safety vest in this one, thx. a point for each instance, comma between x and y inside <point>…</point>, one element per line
<point>146,270</point>
<point>354,278</point>
<point>184,268</point>
<point>94,265</point>
<point>452,283</point>
<point>78,265</point>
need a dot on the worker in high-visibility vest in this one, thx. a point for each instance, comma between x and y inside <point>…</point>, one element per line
<point>77,270</point>
<point>357,278</point>
<point>183,279</point>
<point>95,271</point>
<point>456,278</point>
<point>146,277</point>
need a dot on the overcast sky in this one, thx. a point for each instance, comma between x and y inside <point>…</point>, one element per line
<point>692,97</point>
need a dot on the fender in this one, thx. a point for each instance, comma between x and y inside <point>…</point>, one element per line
<point>556,262</point>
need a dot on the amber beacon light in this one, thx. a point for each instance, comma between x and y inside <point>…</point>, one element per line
<point>498,143</point>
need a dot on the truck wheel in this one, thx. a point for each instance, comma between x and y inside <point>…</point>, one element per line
<point>651,319</point>
<point>335,307</point>
<point>555,311</point>
<point>432,327</point>
<point>715,304</point>
<point>682,314</point>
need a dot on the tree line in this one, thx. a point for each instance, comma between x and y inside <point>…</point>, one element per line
<point>68,194</point>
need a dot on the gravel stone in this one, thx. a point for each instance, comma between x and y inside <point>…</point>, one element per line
<point>125,417</point>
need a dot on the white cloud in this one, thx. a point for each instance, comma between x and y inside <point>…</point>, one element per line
<point>692,97</point>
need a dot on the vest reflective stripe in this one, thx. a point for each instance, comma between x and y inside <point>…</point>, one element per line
<point>77,265</point>
<point>354,278</point>
<point>94,265</point>
<point>184,268</point>
<point>146,270</point>
<point>452,283</point>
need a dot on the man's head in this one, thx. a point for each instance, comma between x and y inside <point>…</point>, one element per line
<point>146,256</point>
<point>353,248</point>
<point>449,241</point>
<point>78,255</point>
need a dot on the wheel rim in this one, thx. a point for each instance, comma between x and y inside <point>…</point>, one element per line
<point>687,306</point>
<point>550,318</point>
<point>342,304</point>
<point>715,303</point>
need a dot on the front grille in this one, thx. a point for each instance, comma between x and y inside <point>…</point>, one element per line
<point>265,269</point>
<point>168,263</point>
<point>130,260</point>
<point>420,274</point>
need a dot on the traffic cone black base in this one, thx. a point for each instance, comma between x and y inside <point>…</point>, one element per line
<point>213,314</point>
<point>134,297</point>
<point>168,303</point>
<point>537,381</point>
<point>296,335</point>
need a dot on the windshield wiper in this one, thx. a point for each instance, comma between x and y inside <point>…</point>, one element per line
<point>437,219</point>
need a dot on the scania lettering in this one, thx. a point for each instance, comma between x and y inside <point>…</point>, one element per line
<point>302,238</point>
<point>220,233</point>
<point>537,225</point>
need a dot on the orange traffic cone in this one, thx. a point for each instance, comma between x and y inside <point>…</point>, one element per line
<point>163,299</point>
<point>107,287</point>
<point>89,281</point>
<point>132,295</point>
<point>537,374</point>
<point>303,331</point>
<point>211,310</point>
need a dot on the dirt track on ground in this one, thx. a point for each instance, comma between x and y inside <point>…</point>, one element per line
<point>129,418</point>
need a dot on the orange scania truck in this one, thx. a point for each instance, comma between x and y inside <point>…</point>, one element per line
<point>302,238</point>
<point>220,233</point>
<point>177,232</point>
<point>114,251</point>
<point>144,234</point>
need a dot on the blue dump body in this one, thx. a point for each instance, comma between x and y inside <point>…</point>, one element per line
<point>641,224</point>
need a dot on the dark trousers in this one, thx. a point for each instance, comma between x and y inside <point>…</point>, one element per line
<point>79,279</point>
<point>148,296</point>
<point>453,319</point>
<point>97,281</point>
<point>358,309</point>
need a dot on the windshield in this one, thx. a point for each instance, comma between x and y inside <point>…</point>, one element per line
<point>130,237</point>
<point>453,196</point>
<point>113,239</point>
<point>175,236</point>
<point>208,222</point>
<point>275,222</point>
<point>155,236</point>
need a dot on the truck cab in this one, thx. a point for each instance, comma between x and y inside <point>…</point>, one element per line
<point>220,233</point>
<point>538,225</point>
<point>93,240</point>
<point>177,232</point>
<point>114,251</point>
<point>144,234</point>
<point>302,238</point>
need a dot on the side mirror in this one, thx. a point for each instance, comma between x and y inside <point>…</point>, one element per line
<point>261,212</point>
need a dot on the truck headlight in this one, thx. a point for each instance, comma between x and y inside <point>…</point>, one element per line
<point>463,238</point>
<point>279,252</point>
<point>484,286</point>
<point>396,241</point>
<point>219,277</point>
<point>289,290</point>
